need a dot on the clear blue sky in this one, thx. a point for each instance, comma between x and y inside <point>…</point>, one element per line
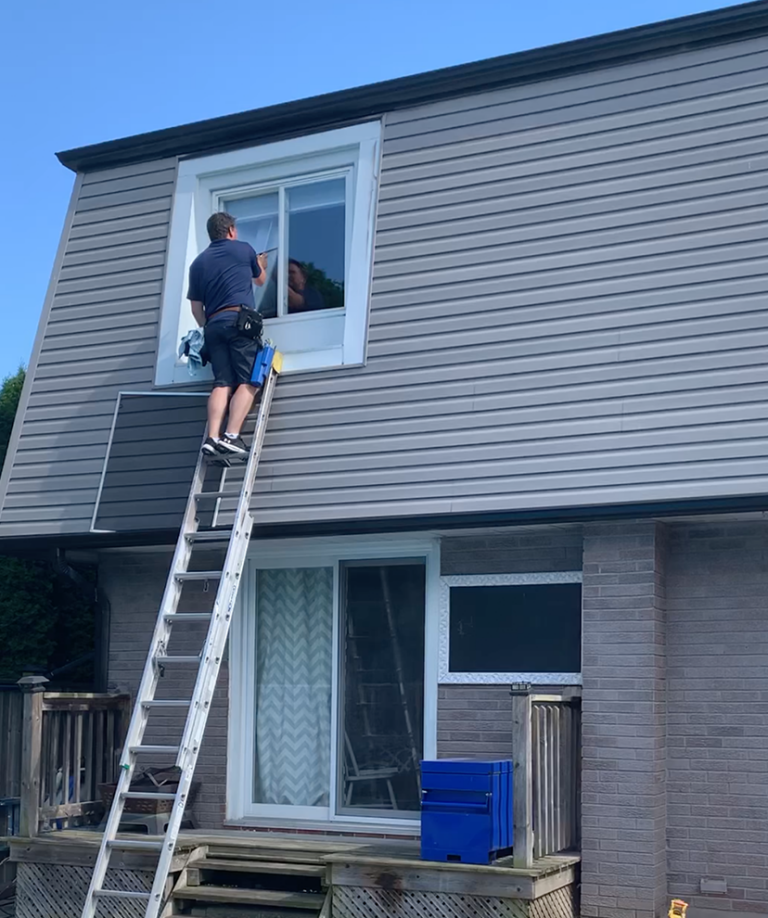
<point>88,70</point>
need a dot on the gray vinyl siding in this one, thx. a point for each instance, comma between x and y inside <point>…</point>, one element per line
<point>568,309</point>
<point>100,338</point>
<point>568,304</point>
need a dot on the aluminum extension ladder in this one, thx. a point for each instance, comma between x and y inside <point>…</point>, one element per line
<point>209,661</point>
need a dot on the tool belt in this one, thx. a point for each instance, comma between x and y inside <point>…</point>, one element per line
<point>249,323</point>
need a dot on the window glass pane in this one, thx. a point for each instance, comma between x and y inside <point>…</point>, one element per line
<point>516,629</point>
<point>316,245</point>
<point>294,638</point>
<point>382,700</point>
<point>258,223</point>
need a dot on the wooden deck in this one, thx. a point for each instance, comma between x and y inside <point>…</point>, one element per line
<point>227,873</point>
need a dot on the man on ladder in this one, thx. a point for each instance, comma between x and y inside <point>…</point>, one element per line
<point>220,290</point>
<point>233,334</point>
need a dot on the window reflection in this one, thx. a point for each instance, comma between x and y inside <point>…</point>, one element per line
<point>316,232</point>
<point>314,226</point>
<point>258,223</point>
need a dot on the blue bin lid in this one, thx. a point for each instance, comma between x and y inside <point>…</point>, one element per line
<point>466,766</point>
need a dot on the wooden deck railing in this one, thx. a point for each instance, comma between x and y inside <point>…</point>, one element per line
<point>10,758</point>
<point>71,744</point>
<point>547,780</point>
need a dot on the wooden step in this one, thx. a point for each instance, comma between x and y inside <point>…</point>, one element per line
<point>243,865</point>
<point>283,856</point>
<point>270,897</point>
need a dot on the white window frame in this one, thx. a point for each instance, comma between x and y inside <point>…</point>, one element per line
<point>446,677</point>
<point>204,181</point>
<point>329,552</point>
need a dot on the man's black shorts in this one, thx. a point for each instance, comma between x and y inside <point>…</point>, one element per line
<point>231,354</point>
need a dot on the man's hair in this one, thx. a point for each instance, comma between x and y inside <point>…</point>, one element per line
<point>299,265</point>
<point>219,225</point>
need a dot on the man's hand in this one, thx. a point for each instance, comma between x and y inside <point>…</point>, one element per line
<point>262,263</point>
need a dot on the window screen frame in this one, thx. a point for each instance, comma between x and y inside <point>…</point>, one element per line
<point>447,677</point>
<point>337,337</point>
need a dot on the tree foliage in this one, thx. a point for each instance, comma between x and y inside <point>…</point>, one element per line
<point>45,619</point>
<point>10,393</point>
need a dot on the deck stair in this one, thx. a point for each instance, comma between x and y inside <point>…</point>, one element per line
<point>239,882</point>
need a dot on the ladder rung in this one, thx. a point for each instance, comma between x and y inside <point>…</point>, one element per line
<point>147,795</point>
<point>187,616</point>
<point>135,844</point>
<point>163,660</point>
<point>156,750</point>
<point>121,894</point>
<point>199,575</point>
<point>216,495</point>
<point>210,535</point>
<point>166,703</point>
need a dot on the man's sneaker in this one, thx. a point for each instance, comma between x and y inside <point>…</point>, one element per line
<point>211,447</point>
<point>233,446</point>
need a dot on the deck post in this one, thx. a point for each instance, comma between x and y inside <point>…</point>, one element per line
<point>31,752</point>
<point>522,779</point>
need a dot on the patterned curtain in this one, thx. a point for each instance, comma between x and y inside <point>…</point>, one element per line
<point>293,686</point>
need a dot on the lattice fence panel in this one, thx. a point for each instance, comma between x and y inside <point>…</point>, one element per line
<point>558,904</point>
<point>360,902</point>
<point>58,891</point>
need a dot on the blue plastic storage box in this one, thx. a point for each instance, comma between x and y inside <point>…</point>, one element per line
<point>466,810</point>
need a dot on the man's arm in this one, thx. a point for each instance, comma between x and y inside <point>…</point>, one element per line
<point>198,311</point>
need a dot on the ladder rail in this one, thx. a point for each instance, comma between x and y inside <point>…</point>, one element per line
<point>147,687</point>
<point>235,556</point>
<point>208,671</point>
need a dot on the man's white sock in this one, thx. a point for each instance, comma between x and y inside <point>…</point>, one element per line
<point>231,436</point>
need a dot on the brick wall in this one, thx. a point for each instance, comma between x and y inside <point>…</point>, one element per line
<point>623,722</point>
<point>475,721</point>
<point>717,653</point>
<point>134,583</point>
<point>522,552</point>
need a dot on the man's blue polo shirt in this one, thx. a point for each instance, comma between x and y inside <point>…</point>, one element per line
<point>223,275</point>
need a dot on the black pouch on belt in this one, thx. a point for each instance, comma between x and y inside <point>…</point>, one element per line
<point>249,323</point>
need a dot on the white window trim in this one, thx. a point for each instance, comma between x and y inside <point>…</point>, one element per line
<point>198,185</point>
<point>446,677</point>
<point>317,553</point>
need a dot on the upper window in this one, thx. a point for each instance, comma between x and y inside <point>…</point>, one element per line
<point>309,204</point>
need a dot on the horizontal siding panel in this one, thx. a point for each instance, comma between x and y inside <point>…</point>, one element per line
<point>90,237</point>
<point>107,200</point>
<point>612,113</point>
<point>388,338</point>
<point>110,218</point>
<point>603,212</point>
<point>131,182</point>
<point>133,258</point>
<point>136,169</point>
<point>667,412</point>
<point>577,235</point>
<point>101,296</point>
<point>110,358</point>
<point>507,149</point>
<point>60,326</point>
<point>588,444</point>
<point>114,341</point>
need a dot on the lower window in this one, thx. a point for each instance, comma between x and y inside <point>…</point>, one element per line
<point>331,711</point>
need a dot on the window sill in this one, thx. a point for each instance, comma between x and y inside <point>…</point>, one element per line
<point>346,826</point>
